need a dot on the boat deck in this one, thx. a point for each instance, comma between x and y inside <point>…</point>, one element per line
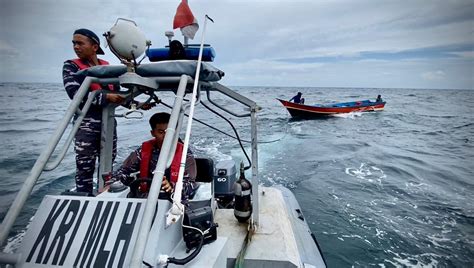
<point>273,245</point>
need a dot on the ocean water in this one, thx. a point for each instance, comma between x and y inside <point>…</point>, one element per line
<point>382,189</point>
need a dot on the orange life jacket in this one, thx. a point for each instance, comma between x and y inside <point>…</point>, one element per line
<point>82,66</point>
<point>147,149</point>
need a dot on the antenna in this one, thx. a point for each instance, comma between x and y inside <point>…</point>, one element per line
<point>170,35</point>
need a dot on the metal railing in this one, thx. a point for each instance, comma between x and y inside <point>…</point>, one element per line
<point>164,160</point>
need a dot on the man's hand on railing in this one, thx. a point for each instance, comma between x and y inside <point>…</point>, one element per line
<point>108,180</point>
<point>146,105</point>
<point>114,98</point>
<point>166,185</point>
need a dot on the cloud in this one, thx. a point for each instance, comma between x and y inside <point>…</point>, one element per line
<point>468,55</point>
<point>275,41</point>
<point>6,50</point>
<point>434,75</point>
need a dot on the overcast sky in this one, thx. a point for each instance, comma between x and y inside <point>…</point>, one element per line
<point>388,44</point>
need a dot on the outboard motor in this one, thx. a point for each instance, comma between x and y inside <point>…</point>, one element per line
<point>242,194</point>
<point>224,178</point>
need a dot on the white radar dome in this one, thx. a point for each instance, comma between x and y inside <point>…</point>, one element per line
<point>127,40</point>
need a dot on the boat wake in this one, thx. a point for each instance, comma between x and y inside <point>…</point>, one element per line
<point>14,242</point>
<point>348,115</point>
<point>367,173</point>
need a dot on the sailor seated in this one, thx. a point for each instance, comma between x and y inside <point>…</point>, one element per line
<point>144,159</point>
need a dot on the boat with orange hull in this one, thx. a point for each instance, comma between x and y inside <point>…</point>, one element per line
<point>312,111</point>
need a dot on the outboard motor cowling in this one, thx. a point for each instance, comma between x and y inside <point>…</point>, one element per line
<point>243,197</point>
<point>224,179</point>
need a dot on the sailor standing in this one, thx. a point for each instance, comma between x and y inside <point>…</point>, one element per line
<point>86,45</point>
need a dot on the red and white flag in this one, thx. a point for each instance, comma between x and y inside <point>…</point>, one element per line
<point>184,19</point>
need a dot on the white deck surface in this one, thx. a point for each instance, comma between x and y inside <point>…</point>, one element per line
<point>273,245</point>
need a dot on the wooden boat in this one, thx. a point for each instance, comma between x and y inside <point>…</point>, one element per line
<point>311,111</point>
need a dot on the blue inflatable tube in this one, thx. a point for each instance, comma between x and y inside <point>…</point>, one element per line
<point>191,52</point>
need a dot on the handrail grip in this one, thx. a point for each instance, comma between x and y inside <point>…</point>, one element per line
<point>222,108</point>
<point>9,258</point>
<point>40,163</point>
<point>75,127</point>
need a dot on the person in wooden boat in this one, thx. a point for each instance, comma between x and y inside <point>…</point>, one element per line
<point>145,158</point>
<point>379,98</point>
<point>297,98</point>
<point>86,45</point>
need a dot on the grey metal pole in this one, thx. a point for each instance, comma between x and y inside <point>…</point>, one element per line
<point>150,205</point>
<point>40,163</point>
<point>253,130</point>
<point>106,145</point>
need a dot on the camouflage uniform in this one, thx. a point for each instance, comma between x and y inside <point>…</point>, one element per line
<point>131,165</point>
<point>87,139</point>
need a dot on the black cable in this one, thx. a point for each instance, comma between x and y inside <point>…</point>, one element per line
<point>134,59</point>
<point>235,131</point>
<point>190,257</point>
<point>147,264</point>
<point>209,126</point>
<point>146,52</point>
<point>220,131</point>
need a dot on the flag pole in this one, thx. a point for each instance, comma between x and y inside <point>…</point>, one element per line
<point>177,209</point>
<point>186,39</point>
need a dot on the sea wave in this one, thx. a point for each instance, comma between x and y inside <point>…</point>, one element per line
<point>391,188</point>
